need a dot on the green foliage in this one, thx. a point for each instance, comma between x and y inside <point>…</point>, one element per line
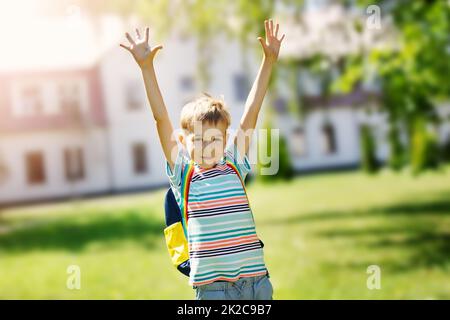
<point>445,151</point>
<point>412,73</point>
<point>285,169</point>
<point>425,150</point>
<point>354,72</point>
<point>397,156</point>
<point>368,157</point>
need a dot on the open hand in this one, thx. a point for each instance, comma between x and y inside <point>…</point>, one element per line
<point>271,45</point>
<point>140,49</point>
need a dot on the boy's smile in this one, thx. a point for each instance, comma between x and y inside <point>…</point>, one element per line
<point>207,143</point>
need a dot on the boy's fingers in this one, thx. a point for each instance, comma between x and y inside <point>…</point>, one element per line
<point>271,27</point>
<point>155,49</point>
<point>130,38</point>
<point>282,38</point>
<point>146,34</point>
<point>261,40</point>
<point>125,47</point>
<point>138,35</point>
<point>276,30</point>
<point>266,27</point>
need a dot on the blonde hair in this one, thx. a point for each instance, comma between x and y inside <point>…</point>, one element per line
<point>204,108</point>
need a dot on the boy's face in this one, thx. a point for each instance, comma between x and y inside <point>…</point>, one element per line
<point>207,143</point>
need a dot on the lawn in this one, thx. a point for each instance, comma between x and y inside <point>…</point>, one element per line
<point>321,232</point>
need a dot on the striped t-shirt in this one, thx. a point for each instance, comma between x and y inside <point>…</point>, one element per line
<point>223,244</point>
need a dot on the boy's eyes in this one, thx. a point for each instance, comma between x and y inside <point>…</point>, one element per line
<point>213,139</point>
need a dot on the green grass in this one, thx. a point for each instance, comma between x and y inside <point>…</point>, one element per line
<point>320,233</point>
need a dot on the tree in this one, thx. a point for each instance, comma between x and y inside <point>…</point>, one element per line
<point>368,148</point>
<point>413,74</point>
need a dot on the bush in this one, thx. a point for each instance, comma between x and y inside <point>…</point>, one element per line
<point>396,149</point>
<point>445,151</point>
<point>424,147</point>
<point>368,148</point>
<point>285,169</point>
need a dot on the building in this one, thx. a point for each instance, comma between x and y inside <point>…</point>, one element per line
<point>81,124</point>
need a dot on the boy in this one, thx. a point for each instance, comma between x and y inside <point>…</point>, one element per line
<point>225,253</point>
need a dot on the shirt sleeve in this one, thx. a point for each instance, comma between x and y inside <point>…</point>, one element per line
<point>175,175</point>
<point>242,163</point>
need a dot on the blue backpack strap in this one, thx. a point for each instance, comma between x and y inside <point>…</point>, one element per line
<point>171,208</point>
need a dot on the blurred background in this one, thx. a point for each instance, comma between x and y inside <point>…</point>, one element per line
<point>360,95</point>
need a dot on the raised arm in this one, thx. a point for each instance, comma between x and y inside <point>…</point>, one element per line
<point>271,47</point>
<point>144,56</point>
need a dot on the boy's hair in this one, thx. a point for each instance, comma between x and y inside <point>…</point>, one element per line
<point>204,108</point>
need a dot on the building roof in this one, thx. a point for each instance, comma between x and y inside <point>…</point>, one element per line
<point>357,97</point>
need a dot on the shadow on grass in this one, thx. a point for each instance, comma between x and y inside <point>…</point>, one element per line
<point>425,246</point>
<point>417,231</point>
<point>75,233</point>
<point>439,206</point>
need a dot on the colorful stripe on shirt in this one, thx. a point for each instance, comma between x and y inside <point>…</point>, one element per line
<point>223,244</point>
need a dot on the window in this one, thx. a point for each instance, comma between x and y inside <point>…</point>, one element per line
<point>310,83</point>
<point>281,105</point>
<point>298,141</point>
<point>134,99</point>
<point>328,139</point>
<point>74,164</point>
<point>34,162</point>
<point>241,88</point>
<point>139,152</point>
<point>31,100</point>
<point>187,83</point>
<point>69,97</point>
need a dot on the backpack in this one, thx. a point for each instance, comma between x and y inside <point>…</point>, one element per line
<point>176,218</point>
